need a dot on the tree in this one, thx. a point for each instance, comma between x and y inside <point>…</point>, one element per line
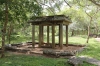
<point>4,27</point>
<point>91,16</point>
<point>18,12</point>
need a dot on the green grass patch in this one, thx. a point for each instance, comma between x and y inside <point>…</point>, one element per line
<point>77,40</point>
<point>92,50</point>
<point>87,64</point>
<point>23,60</point>
<point>93,47</point>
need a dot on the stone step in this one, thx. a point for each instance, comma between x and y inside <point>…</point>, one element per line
<point>90,60</point>
<point>77,61</point>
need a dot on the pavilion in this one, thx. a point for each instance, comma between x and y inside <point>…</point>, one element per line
<point>55,20</point>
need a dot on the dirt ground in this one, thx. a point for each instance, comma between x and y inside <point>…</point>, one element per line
<point>97,39</point>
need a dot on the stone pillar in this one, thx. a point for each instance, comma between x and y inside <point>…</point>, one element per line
<point>40,35</point>
<point>61,35</point>
<point>42,39</point>
<point>33,35</point>
<point>48,35</point>
<point>53,36</point>
<point>66,35</point>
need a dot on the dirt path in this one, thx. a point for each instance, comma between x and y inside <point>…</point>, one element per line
<point>97,39</point>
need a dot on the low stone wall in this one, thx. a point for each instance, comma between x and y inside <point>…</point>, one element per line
<point>14,48</point>
<point>47,51</point>
<point>75,61</point>
<point>58,53</point>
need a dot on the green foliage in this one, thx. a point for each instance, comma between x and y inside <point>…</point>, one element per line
<point>78,17</point>
<point>2,1</point>
<point>19,12</point>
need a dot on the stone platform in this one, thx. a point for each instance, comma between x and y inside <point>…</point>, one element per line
<point>27,48</point>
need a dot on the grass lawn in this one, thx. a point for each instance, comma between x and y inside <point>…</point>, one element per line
<point>23,60</point>
<point>93,47</point>
<point>92,50</point>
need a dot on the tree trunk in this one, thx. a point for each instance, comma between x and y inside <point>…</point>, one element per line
<point>4,30</point>
<point>88,34</point>
<point>89,30</point>
<point>91,17</point>
<point>97,30</point>
<point>72,33</point>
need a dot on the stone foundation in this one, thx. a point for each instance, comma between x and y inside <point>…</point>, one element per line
<point>71,50</point>
<point>59,52</point>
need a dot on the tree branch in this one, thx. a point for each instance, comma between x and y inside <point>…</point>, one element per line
<point>93,14</point>
<point>93,1</point>
<point>67,3</point>
<point>45,5</point>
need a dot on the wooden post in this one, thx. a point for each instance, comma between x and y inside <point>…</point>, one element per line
<point>48,35</point>
<point>61,35</point>
<point>40,35</point>
<point>53,36</point>
<point>66,35</point>
<point>33,35</point>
